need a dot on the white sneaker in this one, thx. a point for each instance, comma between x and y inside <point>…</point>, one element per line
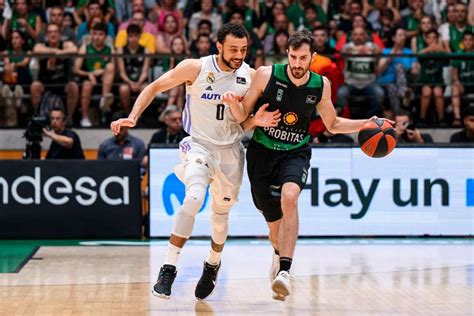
<point>85,122</point>
<point>273,273</point>
<point>281,285</point>
<point>105,102</point>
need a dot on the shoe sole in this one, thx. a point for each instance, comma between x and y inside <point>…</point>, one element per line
<point>160,295</point>
<point>278,297</point>
<point>280,288</point>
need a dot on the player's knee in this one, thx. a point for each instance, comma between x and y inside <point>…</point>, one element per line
<point>195,194</point>
<point>289,199</point>
<point>220,220</point>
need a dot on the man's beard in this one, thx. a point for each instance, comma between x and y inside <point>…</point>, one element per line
<point>229,62</point>
<point>299,72</point>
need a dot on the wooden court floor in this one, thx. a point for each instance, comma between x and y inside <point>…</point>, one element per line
<point>331,277</point>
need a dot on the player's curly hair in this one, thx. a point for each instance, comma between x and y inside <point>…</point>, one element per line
<point>235,30</point>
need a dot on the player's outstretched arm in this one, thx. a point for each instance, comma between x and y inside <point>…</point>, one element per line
<point>333,123</point>
<point>186,71</point>
<point>241,108</point>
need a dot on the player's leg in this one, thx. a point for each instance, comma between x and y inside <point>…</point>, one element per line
<point>439,103</point>
<point>196,178</point>
<point>292,175</point>
<point>425,102</point>
<point>225,188</point>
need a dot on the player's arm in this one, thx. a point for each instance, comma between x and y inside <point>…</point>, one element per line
<point>333,123</point>
<point>241,108</point>
<point>186,71</point>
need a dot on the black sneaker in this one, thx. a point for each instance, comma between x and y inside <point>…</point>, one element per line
<point>166,277</point>
<point>207,282</point>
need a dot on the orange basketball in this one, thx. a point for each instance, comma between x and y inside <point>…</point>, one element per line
<point>377,138</point>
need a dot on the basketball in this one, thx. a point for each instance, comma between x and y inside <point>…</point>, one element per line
<point>377,138</point>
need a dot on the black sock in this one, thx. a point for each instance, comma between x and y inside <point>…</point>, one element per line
<point>276,252</point>
<point>285,264</point>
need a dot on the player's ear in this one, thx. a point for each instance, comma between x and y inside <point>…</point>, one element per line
<point>219,46</point>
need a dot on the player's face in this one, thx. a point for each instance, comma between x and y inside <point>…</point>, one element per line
<point>233,51</point>
<point>98,37</point>
<point>299,61</point>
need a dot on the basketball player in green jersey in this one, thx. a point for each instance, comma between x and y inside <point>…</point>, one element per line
<point>278,157</point>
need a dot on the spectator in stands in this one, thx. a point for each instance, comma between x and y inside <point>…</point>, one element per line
<point>133,70</point>
<point>360,77</point>
<point>321,42</point>
<point>411,21</point>
<point>249,16</point>
<point>56,16</point>
<point>406,131</point>
<point>122,146</point>
<point>25,21</point>
<point>463,76</point>
<point>450,20</point>
<point>3,42</point>
<point>167,8</point>
<point>393,70</point>
<point>431,77</point>
<point>65,143</point>
<point>37,7</point>
<point>359,21</point>
<point>87,38</point>
<point>173,133</point>
<point>386,25</point>
<point>374,12</point>
<point>55,71</point>
<point>466,135</point>
<point>107,7</point>
<point>125,9</point>
<point>207,12</point>
<point>296,13</point>
<point>140,5</point>
<point>145,39</point>
<point>311,19</point>
<point>202,45</point>
<point>94,10</point>
<point>350,10</point>
<point>278,54</point>
<point>178,52</point>
<point>93,70</point>
<point>255,52</point>
<point>280,23</point>
<point>204,27</point>
<point>16,74</point>
<point>163,40</point>
<point>68,22</point>
<point>418,42</point>
<point>452,36</point>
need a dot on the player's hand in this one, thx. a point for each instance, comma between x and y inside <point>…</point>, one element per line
<point>414,134</point>
<point>264,118</point>
<point>115,126</point>
<point>373,118</point>
<point>230,98</point>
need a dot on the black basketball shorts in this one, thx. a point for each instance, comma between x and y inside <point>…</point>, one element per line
<point>269,169</point>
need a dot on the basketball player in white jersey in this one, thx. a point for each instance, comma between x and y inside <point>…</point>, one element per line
<point>212,154</point>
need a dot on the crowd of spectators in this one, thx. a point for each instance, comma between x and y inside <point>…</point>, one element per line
<point>400,59</point>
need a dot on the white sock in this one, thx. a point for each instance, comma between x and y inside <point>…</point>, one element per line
<point>172,255</point>
<point>214,257</point>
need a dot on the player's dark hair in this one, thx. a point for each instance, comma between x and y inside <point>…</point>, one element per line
<point>59,109</point>
<point>467,33</point>
<point>300,38</point>
<point>235,30</point>
<point>468,111</point>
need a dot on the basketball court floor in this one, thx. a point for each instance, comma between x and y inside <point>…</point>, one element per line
<point>331,277</point>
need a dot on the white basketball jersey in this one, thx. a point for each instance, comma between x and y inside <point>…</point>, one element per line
<point>204,116</point>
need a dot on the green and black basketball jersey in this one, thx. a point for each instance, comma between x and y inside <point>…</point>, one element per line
<point>297,106</point>
<point>95,63</point>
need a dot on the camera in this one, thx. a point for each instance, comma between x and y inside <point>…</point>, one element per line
<point>34,136</point>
